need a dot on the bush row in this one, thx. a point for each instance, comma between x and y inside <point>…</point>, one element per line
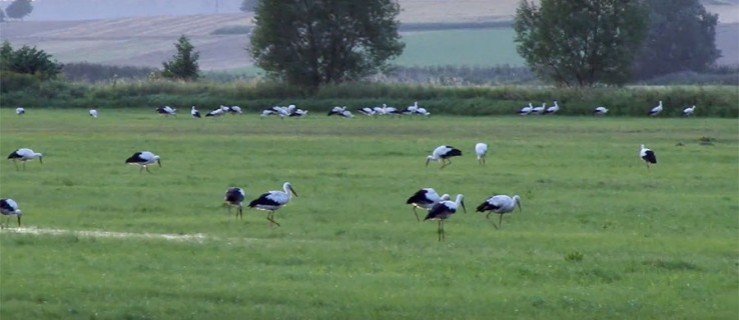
<point>27,91</point>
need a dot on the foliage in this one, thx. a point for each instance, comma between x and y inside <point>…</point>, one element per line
<point>580,42</point>
<point>184,64</point>
<point>116,244</point>
<point>92,72</point>
<point>28,60</point>
<point>19,9</point>
<point>327,41</point>
<point>682,37</point>
<point>232,30</point>
<point>249,5</point>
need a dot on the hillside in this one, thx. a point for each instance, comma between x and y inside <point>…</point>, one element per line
<point>148,41</point>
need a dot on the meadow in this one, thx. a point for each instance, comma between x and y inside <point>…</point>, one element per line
<point>600,235</point>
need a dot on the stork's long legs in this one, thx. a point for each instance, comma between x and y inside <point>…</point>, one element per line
<point>240,213</point>
<point>271,218</point>
<point>16,165</point>
<point>445,162</point>
<point>441,230</point>
<point>147,169</point>
<point>416,213</point>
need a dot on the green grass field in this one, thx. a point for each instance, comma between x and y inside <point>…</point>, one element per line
<point>600,236</point>
<point>467,47</point>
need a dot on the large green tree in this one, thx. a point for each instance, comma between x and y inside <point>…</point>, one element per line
<point>28,60</point>
<point>184,64</point>
<point>19,9</point>
<point>309,43</point>
<point>682,37</point>
<point>580,42</point>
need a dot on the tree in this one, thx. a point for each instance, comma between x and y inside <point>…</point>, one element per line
<point>19,9</point>
<point>28,60</point>
<point>580,42</point>
<point>248,5</point>
<point>184,64</point>
<point>310,43</point>
<point>682,37</point>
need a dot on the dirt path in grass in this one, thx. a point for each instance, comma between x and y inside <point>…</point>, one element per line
<point>109,234</point>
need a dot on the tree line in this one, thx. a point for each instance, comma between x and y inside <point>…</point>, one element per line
<point>310,44</point>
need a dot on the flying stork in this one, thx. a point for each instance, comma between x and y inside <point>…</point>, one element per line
<point>25,154</point>
<point>425,199</point>
<point>9,208</point>
<point>274,200</point>
<point>144,159</point>
<point>443,153</point>
<point>500,204</point>
<point>648,156</point>
<point>235,198</point>
<point>443,210</point>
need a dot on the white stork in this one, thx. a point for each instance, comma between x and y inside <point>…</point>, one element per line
<point>25,154</point>
<point>500,204</point>
<point>341,112</point>
<point>274,200</point>
<point>600,111</point>
<point>553,109</point>
<point>366,111</point>
<point>689,111</point>
<point>443,153</point>
<point>422,112</point>
<point>216,112</point>
<point>298,113</point>
<point>526,110</point>
<point>9,208</point>
<point>656,110</point>
<point>233,109</point>
<point>425,199</point>
<point>20,111</point>
<point>194,112</point>
<point>648,156</point>
<point>481,149</point>
<point>144,159</point>
<point>166,111</point>
<point>443,210</point>
<point>235,198</point>
<point>93,113</point>
<point>539,110</point>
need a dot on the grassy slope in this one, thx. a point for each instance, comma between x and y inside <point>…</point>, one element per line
<point>659,244</point>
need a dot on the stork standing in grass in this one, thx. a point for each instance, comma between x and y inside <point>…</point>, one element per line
<point>500,204</point>
<point>23,155</point>
<point>689,111</point>
<point>194,112</point>
<point>274,200</point>
<point>235,198</point>
<point>9,208</point>
<point>93,113</point>
<point>144,159</point>
<point>167,111</point>
<point>20,111</point>
<point>553,109</point>
<point>443,154</point>
<point>425,199</point>
<point>526,110</point>
<point>600,111</point>
<point>656,110</point>
<point>443,210</point>
<point>648,156</point>
<point>481,149</point>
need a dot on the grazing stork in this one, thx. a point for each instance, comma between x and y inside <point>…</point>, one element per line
<point>553,109</point>
<point>93,113</point>
<point>9,208</point>
<point>539,110</point>
<point>341,112</point>
<point>20,111</point>
<point>648,156</point>
<point>689,111</point>
<point>425,199</point>
<point>600,111</point>
<point>274,200</point>
<point>25,154</point>
<point>366,111</point>
<point>443,210</point>
<point>500,204</point>
<point>656,110</point>
<point>298,113</point>
<point>443,153</point>
<point>235,198</point>
<point>194,112</point>
<point>232,109</point>
<point>481,149</point>
<point>166,111</point>
<point>144,159</point>
<point>216,112</point>
<point>526,110</point>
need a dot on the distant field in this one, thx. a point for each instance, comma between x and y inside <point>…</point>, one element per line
<point>599,235</point>
<point>471,47</point>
